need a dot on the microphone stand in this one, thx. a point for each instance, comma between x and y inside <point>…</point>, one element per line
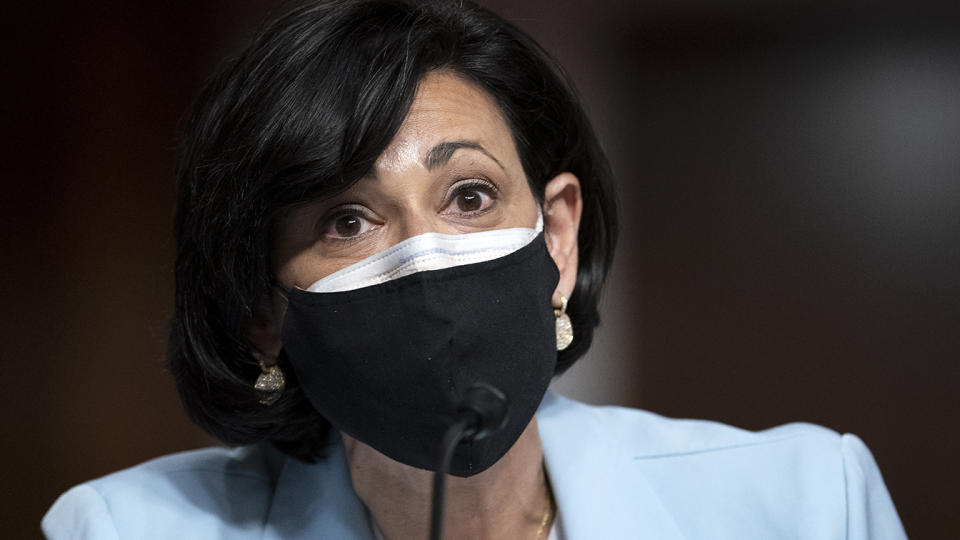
<point>482,412</point>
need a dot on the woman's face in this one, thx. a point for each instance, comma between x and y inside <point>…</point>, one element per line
<point>451,168</point>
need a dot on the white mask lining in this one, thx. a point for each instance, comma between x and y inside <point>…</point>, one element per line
<point>429,251</point>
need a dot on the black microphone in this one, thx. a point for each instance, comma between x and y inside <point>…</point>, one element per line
<point>486,408</point>
<point>482,412</point>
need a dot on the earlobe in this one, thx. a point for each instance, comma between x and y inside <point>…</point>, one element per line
<point>563,206</point>
<point>264,335</point>
<point>265,343</point>
<point>264,331</point>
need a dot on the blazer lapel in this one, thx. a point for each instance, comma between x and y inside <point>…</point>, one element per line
<point>600,492</point>
<point>316,500</point>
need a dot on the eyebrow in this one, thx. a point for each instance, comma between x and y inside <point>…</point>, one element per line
<point>441,153</point>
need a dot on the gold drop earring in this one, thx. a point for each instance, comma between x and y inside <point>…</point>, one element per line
<point>270,384</point>
<point>564,326</point>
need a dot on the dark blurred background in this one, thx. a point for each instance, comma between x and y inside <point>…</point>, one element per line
<point>790,193</point>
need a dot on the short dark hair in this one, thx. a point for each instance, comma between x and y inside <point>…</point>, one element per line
<point>303,112</point>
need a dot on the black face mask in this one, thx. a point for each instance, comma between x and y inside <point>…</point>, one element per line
<point>389,364</point>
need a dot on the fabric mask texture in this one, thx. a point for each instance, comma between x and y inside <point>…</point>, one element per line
<point>388,363</point>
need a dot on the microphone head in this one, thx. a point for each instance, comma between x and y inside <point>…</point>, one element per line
<point>490,408</point>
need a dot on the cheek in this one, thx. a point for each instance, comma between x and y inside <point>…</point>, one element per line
<point>526,208</point>
<point>306,268</point>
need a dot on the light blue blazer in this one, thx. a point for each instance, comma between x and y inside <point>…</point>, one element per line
<point>616,473</point>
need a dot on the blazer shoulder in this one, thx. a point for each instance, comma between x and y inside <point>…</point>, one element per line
<point>707,474</point>
<point>208,490</point>
<point>649,435</point>
<point>212,469</point>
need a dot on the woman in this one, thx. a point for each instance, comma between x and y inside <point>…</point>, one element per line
<point>392,215</point>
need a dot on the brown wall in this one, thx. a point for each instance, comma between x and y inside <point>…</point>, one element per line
<point>791,246</point>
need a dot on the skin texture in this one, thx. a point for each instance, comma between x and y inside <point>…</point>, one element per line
<point>451,168</point>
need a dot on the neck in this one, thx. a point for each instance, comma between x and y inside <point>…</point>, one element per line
<point>508,500</point>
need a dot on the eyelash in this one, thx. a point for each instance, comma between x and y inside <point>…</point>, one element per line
<point>478,184</point>
<point>330,219</point>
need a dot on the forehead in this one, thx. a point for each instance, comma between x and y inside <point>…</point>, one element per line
<point>447,107</point>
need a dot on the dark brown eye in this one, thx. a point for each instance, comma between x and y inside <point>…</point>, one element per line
<point>348,223</point>
<point>347,226</point>
<point>471,198</point>
<point>469,201</point>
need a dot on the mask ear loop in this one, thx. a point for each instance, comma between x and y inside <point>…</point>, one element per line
<point>280,289</point>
